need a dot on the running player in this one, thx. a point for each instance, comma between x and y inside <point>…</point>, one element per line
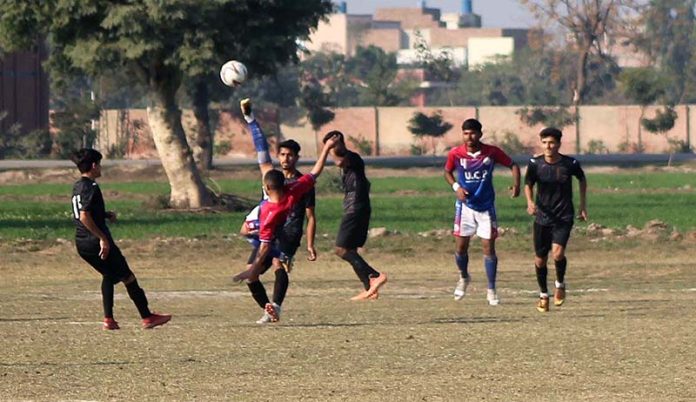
<point>551,171</point>
<point>473,163</point>
<point>352,233</point>
<point>96,245</point>
<point>283,199</point>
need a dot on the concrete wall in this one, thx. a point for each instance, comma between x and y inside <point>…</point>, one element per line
<point>613,129</point>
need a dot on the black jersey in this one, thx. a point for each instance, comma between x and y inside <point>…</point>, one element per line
<point>88,197</point>
<point>355,184</point>
<point>295,220</point>
<point>554,199</point>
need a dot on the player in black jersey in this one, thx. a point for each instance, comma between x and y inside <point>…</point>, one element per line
<point>352,233</point>
<point>552,173</point>
<point>289,236</point>
<point>96,245</point>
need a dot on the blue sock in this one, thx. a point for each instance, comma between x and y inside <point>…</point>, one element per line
<point>491,264</point>
<point>462,264</point>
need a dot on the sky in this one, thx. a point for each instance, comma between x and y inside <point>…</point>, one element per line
<point>494,13</point>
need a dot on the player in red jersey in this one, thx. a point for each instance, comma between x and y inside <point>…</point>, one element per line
<point>282,198</point>
<point>473,163</point>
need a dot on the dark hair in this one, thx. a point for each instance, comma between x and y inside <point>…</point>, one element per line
<point>331,134</point>
<point>85,158</point>
<point>551,132</point>
<point>274,179</point>
<point>291,145</point>
<point>472,124</point>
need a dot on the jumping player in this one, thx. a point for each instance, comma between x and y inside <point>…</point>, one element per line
<point>96,245</point>
<point>289,237</point>
<point>352,233</point>
<point>473,163</point>
<point>273,213</point>
<point>551,171</point>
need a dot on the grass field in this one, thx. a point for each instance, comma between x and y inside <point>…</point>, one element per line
<point>626,332</point>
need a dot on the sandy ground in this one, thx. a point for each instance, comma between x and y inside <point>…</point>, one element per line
<point>626,331</point>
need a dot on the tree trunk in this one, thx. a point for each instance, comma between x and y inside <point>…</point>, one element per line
<point>202,144</point>
<point>581,77</point>
<point>164,117</point>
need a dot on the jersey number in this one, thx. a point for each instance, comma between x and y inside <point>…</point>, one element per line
<point>76,205</point>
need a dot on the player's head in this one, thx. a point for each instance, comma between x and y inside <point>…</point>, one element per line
<point>87,160</point>
<point>472,132</point>
<point>340,148</point>
<point>273,180</point>
<point>550,140</point>
<point>288,154</point>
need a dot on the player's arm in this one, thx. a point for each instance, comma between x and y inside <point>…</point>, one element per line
<point>263,155</point>
<point>321,160</point>
<point>311,233</point>
<point>88,222</point>
<point>529,180</point>
<point>583,198</point>
<point>515,189</point>
<point>458,189</point>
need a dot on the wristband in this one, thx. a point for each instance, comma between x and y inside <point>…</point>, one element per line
<point>456,186</point>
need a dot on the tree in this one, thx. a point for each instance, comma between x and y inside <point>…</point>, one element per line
<point>667,31</point>
<point>161,45</point>
<point>439,66</point>
<point>433,126</point>
<point>645,86</point>
<point>317,104</point>
<point>376,70</point>
<point>588,23</point>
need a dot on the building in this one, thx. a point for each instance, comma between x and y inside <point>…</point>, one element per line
<point>400,29</point>
<point>24,91</point>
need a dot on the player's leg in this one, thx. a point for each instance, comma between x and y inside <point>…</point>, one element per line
<point>487,230</point>
<point>90,253</point>
<point>560,236</point>
<point>461,258</point>
<point>352,234</point>
<point>542,246</point>
<point>464,228</point>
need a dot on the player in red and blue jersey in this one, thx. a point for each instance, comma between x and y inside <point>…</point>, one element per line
<point>469,170</point>
<point>273,212</point>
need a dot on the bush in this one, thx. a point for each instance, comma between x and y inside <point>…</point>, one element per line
<point>363,146</point>
<point>512,145</point>
<point>678,147</point>
<point>222,148</point>
<point>596,147</point>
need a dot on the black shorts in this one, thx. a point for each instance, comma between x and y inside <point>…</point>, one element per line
<point>353,230</point>
<point>114,268</point>
<point>545,235</point>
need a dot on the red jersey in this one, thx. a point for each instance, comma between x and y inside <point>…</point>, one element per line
<point>273,214</point>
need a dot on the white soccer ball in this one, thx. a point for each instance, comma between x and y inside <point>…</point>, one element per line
<point>233,73</point>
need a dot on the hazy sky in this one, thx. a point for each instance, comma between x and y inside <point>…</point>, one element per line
<point>494,13</point>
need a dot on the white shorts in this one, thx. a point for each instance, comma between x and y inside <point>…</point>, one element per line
<point>468,222</point>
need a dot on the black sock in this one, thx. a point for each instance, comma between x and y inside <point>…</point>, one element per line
<point>107,289</point>
<point>137,294</point>
<point>258,292</point>
<point>541,273</point>
<point>561,269</point>
<point>361,267</point>
<point>280,287</point>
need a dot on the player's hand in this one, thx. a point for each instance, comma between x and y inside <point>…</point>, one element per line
<point>312,254</point>
<point>583,214</point>
<point>531,209</point>
<point>111,216</point>
<point>515,191</point>
<point>104,248</point>
<point>462,194</point>
<point>331,142</point>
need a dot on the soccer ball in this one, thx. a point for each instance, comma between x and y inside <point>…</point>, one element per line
<point>233,73</point>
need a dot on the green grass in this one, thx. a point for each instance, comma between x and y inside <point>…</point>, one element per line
<point>406,204</point>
